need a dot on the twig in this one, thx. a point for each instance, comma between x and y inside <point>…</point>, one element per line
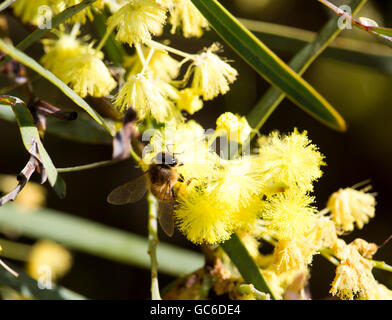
<point>357,23</point>
<point>14,273</point>
<point>152,245</point>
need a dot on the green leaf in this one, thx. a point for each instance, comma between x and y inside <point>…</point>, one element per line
<point>245,264</point>
<point>31,63</point>
<point>383,31</point>
<point>267,64</point>
<point>29,288</point>
<point>82,129</point>
<point>30,135</point>
<point>97,239</point>
<point>290,40</point>
<point>300,63</point>
<point>6,4</point>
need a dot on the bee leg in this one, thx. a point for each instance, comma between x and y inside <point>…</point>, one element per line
<point>181,178</point>
<point>188,182</point>
<point>173,193</point>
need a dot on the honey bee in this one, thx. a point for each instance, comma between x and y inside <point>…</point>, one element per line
<point>160,179</point>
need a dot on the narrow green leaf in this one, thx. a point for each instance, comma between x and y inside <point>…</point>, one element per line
<point>245,264</point>
<point>29,288</point>
<point>82,129</point>
<point>32,64</point>
<point>290,40</point>
<point>6,4</point>
<point>97,239</point>
<point>30,134</point>
<point>383,31</point>
<point>300,63</point>
<point>267,64</point>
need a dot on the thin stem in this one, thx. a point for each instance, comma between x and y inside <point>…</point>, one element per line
<point>382,265</point>
<point>151,52</point>
<point>14,273</point>
<point>152,245</point>
<point>386,39</point>
<point>163,47</point>
<point>140,54</point>
<point>104,38</point>
<point>88,166</point>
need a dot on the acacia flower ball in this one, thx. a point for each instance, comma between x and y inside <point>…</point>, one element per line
<point>234,126</point>
<point>189,101</point>
<point>290,159</point>
<point>48,253</point>
<point>88,75</point>
<point>349,206</point>
<point>289,213</point>
<point>184,14</point>
<point>148,96</point>
<point>211,75</point>
<point>137,20</point>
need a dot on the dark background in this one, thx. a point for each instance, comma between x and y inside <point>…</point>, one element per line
<point>361,94</point>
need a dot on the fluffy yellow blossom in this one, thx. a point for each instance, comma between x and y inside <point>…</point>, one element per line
<point>236,183</point>
<point>211,75</point>
<point>185,15</point>
<point>137,20</point>
<point>234,126</point>
<point>34,11</point>
<point>292,255</point>
<point>148,96</point>
<point>202,221</point>
<point>161,65</point>
<point>366,249</point>
<point>349,206</point>
<point>189,101</point>
<point>323,234</point>
<point>353,275</point>
<point>47,256</point>
<point>32,196</point>
<point>88,75</point>
<point>78,65</point>
<point>290,159</point>
<point>289,213</point>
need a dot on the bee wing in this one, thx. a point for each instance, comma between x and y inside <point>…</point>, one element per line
<point>129,192</point>
<point>165,217</point>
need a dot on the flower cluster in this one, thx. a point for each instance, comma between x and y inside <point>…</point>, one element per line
<point>263,196</point>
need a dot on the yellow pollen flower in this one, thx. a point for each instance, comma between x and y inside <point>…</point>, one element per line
<point>379,292</point>
<point>289,213</point>
<point>211,75</point>
<point>88,75</point>
<point>353,275</point>
<point>189,101</point>
<point>234,126</point>
<point>47,256</point>
<point>291,159</point>
<point>137,20</point>
<point>148,96</point>
<point>236,184</point>
<point>289,256</point>
<point>184,14</point>
<point>202,221</point>
<point>349,206</point>
<point>78,65</point>
<point>33,11</point>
